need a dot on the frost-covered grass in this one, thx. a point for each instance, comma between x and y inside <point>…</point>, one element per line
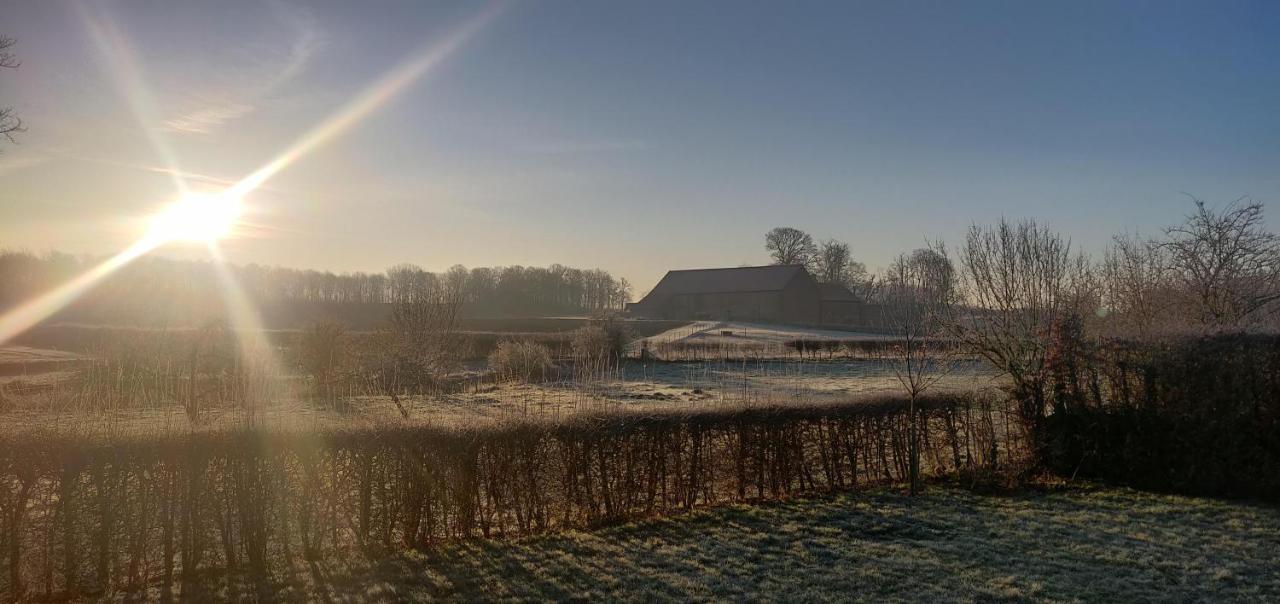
<point>949,545</point>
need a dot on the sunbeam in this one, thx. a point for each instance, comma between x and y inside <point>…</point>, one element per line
<point>34,311</point>
<point>208,217</point>
<point>251,333</point>
<point>121,64</point>
<point>373,97</point>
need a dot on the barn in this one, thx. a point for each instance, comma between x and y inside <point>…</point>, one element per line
<point>839,305</point>
<point>771,294</point>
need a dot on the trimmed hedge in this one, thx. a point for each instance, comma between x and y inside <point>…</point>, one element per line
<point>1193,415</point>
<point>86,516</point>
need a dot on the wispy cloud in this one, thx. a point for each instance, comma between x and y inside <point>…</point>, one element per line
<point>208,119</point>
<point>184,175</point>
<point>567,147</point>
<point>17,163</point>
<point>206,113</point>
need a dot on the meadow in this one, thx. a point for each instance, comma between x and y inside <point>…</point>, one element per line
<point>138,381</point>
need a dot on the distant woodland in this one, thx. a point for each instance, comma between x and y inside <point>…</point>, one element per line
<point>159,292</point>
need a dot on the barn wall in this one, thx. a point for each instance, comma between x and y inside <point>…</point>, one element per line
<point>735,306</point>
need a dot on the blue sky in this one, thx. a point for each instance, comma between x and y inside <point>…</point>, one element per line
<point>643,136</point>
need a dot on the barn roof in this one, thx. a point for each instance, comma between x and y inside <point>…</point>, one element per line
<point>834,292</point>
<point>721,280</point>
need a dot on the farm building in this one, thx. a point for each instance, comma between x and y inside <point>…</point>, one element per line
<point>839,305</point>
<point>775,294</point>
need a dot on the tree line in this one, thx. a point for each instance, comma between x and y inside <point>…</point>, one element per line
<point>167,291</point>
<point>1217,269</point>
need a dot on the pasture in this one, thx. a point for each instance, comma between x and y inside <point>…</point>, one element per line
<point>123,381</point>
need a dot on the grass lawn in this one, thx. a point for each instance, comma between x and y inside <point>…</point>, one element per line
<point>950,545</point>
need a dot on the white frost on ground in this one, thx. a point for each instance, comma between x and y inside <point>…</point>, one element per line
<point>26,354</point>
<point>734,332</point>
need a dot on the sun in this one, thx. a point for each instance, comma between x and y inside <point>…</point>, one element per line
<point>198,217</point>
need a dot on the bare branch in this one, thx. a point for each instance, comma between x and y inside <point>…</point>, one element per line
<point>10,124</point>
<point>789,246</point>
<point>8,59</point>
<point>1225,264</point>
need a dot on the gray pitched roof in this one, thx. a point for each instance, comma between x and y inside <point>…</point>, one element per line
<point>720,280</point>
<point>834,292</point>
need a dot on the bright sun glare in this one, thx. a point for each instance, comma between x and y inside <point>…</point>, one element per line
<point>197,217</point>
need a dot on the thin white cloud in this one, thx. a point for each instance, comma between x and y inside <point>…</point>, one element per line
<point>18,162</point>
<point>205,121</point>
<point>567,147</point>
<point>206,113</point>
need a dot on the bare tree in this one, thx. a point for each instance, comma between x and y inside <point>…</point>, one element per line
<point>789,246</point>
<point>321,352</point>
<point>1226,263</point>
<point>422,344</point>
<point>831,262</point>
<point>1135,289</point>
<point>10,124</point>
<point>932,271</point>
<point>1019,282</point>
<point>918,306</point>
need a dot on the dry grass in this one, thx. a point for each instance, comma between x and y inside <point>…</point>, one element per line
<point>950,545</point>
<point>70,401</point>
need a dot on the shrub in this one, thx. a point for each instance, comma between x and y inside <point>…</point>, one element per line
<point>600,345</point>
<point>590,343</point>
<point>525,361</point>
<point>321,352</point>
<point>1193,415</point>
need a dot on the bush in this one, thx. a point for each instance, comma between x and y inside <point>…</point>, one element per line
<point>525,361</point>
<point>1192,415</point>
<point>322,352</point>
<point>600,345</point>
<point>589,344</point>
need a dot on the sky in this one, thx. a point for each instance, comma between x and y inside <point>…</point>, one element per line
<point>635,137</point>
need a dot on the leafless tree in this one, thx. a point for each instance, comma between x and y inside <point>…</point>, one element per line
<point>1227,264</point>
<point>789,246</point>
<point>932,271</point>
<point>321,352</point>
<point>422,343</point>
<point>1019,281</point>
<point>918,299</point>
<point>1135,287</point>
<point>831,262</point>
<point>10,124</point>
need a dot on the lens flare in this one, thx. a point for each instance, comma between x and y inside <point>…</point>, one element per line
<point>198,217</point>
<point>119,59</point>
<point>208,217</point>
<point>372,98</point>
<point>34,311</point>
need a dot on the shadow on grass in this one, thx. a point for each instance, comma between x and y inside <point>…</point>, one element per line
<point>948,545</point>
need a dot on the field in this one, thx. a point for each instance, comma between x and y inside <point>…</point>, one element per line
<point>750,462</point>
<point>44,388</point>
<point>634,386</point>
<point>950,545</point>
